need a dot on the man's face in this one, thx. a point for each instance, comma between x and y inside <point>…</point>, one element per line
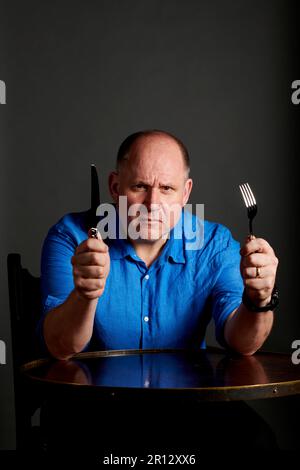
<point>154,180</point>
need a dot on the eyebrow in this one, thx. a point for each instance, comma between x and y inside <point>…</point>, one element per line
<point>147,184</point>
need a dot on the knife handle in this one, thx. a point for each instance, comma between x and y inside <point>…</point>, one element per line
<point>93,233</point>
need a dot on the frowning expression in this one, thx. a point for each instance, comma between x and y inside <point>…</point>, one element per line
<point>154,179</point>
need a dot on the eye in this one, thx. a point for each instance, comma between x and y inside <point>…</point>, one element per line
<point>139,187</point>
<point>166,188</point>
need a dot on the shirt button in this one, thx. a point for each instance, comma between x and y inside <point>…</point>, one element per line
<point>146,319</point>
<point>147,276</point>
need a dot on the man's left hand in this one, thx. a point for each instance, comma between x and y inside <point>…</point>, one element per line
<point>258,270</point>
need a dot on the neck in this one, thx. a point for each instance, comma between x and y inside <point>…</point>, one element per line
<point>148,251</point>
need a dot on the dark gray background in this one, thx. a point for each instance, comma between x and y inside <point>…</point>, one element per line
<point>82,75</point>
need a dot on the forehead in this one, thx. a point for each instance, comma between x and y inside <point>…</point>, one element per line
<point>155,156</point>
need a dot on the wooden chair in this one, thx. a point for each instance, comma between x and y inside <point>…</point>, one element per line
<point>25,310</point>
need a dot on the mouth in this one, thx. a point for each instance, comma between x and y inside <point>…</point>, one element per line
<point>150,221</point>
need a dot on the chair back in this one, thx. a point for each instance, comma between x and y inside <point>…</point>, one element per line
<point>25,310</point>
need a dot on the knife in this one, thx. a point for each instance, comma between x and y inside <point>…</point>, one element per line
<point>95,202</point>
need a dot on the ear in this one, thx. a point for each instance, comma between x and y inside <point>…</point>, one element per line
<point>113,184</point>
<point>187,190</point>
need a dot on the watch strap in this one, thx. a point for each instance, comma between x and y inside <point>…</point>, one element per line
<point>270,306</point>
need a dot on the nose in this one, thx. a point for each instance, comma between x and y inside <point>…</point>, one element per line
<point>152,200</point>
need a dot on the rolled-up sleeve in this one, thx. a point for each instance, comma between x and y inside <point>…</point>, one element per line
<point>56,274</point>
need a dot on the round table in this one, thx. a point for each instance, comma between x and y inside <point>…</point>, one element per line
<point>207,375</point>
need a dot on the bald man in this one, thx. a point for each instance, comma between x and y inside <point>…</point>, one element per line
<point>150,290</point>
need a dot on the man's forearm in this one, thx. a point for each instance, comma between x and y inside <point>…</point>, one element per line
<point>68,327</point>
<point>246,331</point>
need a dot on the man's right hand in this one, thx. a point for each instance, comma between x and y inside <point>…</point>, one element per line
<point>91,264</point>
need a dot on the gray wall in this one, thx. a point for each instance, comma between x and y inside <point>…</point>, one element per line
<point>82,75</point>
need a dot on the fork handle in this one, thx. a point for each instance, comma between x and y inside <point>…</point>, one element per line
<point>251,227</point>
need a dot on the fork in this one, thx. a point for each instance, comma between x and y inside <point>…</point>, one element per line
<point>250,204</point>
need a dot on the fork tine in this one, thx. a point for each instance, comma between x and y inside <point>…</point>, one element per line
<point>250,203</point>
<point>248,195</point>
<point>244,194</point>
<point>251,194</point>
<point>250,199</point>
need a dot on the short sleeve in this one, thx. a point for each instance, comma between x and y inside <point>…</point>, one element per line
<point>228,288</point>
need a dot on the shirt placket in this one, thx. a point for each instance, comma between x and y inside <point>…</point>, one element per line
<point>145,310</point>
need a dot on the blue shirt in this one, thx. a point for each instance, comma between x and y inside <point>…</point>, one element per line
<point>167,305</point>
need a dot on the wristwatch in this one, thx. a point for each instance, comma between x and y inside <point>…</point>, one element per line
<point>270,306</point>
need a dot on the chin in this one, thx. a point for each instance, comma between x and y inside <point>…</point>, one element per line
<point>148,232</point>
<point>152,236</point>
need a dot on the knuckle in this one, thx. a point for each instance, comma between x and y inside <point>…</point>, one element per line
<point>89,243</point>
<point>99,271</point>
<point>94,258</point>
<point>79,282</point>
<point>102,260</point>
<point>251,259</point>
<point>269,284</point>
<point>245,272</point>
<point>94,284</point>
<point>103,273</point>
<point>264,243</point>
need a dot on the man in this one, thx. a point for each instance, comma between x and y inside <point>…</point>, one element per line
<point>151,291</point>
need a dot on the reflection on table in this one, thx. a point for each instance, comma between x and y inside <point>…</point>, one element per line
<point>200,370</point>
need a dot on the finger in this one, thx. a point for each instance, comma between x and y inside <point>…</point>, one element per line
<point>257,273</point>
<point>89,259</point>
<point>257,259</point>
<point>89,284</point>
<point>256,245</point>
<point>92,244</point>
<point>89,272</point>
<point>258,284</point>
<point>90,295</point>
